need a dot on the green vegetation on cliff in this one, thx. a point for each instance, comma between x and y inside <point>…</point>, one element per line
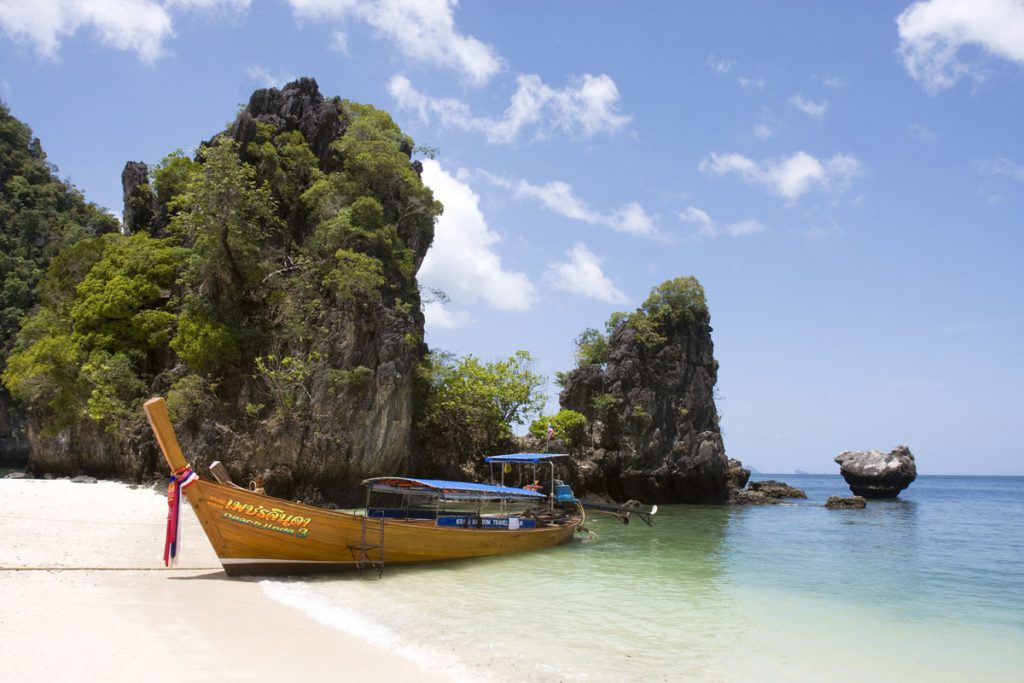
<point>267,284</point>
<point>39,216</point>
<point>676,301</point>
<point>267,287</point>
<point>106,316</point>
<point>568,425</point>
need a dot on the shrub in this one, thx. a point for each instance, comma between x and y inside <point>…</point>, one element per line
<point>190,396</point>
<point>568,424</point>
<point>604,404</point>
<point>591,348</point>
<point>472,405</point>
<point>206,345</point>
<point>677,300</point>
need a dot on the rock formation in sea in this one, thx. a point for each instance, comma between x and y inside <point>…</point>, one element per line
<point>846,503</point>
<point>738,475</point>
<point>873,474</point>
<point>652,431</point>
<point>766,492</point>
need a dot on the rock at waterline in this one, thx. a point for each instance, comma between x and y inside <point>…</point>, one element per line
<point>767,492</point>
<point>776,489</point>
<point>737,474</point>
<point>83,479</point>
<point>846,503</point>
<point>874,474</point>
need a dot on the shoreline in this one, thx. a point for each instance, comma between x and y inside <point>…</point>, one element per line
<point>86,593</point>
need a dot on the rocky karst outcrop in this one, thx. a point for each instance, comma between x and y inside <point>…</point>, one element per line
<point>766,492</point>
<point>139,203</point>
<point>13,434</point>
<point>310,367</point>
<point>298,106</point>
<point>873,474</point>
<point>737,474</point>
<point>652,427</point>
<point>846,503</point>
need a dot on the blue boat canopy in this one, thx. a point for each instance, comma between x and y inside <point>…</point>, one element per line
<point>447,490</point>
<point>526,457</point>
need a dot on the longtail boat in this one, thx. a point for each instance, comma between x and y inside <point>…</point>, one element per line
<point>514,465</point>
<point>420,520</point>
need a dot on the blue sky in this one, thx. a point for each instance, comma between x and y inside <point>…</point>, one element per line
<point>845,179</point>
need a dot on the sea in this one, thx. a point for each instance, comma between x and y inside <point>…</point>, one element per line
<point>926,587</point>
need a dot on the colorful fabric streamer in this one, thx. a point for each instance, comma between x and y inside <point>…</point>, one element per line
<point>180,479</point>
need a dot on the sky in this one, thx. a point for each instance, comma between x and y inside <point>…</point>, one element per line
<point>845,179</point>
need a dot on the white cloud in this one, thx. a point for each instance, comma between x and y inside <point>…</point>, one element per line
<point>139,26</point>
<point>559,197</point>
<point>762,131</point>
<point>339,42</point>
<point>833,82</point>
<point>743,228</point>
<point>233,5</point>
<point>923,133</point>
<point>422,29</point>
<point>1003,167</point>
<point>824,229</point>
<point>268,79</point>
<point>933,32</point>
<point>582,275</point>
<point>439,316</point>
<point>719,66</point>
<point>701,219</point>
<point>752,83</point>
<point>462,261</point>
<point>790,177</point>
<point>815,110</point>
<point>589,105</point>
<point>707,227</point>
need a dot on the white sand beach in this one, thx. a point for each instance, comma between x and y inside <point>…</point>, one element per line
<point>85,597</point>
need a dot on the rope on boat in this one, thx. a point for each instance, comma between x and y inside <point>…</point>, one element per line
<point>591,536</point>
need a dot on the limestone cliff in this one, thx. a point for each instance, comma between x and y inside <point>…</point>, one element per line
<point>652,429</point>
<point>294,334</point>
<point>13,433</point>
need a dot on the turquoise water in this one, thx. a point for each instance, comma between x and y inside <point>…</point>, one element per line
<point>929,587</point>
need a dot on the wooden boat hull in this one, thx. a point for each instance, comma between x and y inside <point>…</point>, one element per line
<point>257,534</point>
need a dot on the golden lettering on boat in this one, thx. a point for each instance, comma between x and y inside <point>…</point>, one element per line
<point>269,514</point>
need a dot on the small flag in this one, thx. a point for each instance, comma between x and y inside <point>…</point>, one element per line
<point>181,479</point>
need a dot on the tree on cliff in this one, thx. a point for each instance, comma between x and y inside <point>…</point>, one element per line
<point>101,331</point>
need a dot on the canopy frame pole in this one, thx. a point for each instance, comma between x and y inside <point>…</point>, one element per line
<point>551,491</point>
